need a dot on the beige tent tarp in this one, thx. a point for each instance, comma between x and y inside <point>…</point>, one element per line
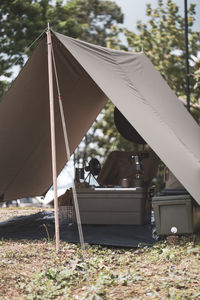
<point>89,75</point>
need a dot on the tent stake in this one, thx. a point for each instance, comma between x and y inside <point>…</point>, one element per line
<point>53,143</point>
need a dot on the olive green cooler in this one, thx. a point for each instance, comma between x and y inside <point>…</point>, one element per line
<point>176,215</point>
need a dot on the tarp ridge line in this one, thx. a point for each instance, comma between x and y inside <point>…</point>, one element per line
<point>130,83</point>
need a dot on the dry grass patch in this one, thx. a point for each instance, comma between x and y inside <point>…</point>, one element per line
<point>33,270</point>
<point>11,212</point>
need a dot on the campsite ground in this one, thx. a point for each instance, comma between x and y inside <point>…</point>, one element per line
<point>33,269</point>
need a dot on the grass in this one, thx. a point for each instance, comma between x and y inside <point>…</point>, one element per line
<point>33,270</point>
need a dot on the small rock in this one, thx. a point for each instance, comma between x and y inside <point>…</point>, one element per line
<point>173,239</point>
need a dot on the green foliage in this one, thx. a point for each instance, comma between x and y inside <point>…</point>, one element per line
<point>110,139</point>
<point>196,73</point>
<point>162,39</point>
<point>89,20</point>
<point>23,21</point>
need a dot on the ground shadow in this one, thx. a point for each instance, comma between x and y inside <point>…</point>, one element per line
<point>41,226</point>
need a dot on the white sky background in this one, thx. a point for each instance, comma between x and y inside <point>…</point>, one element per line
<point>134,10</point>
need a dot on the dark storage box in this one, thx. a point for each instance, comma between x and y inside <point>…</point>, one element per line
<point>176,215</point>
<point>112,206</point>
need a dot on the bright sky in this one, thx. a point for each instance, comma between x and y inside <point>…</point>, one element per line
<point>135,10</point>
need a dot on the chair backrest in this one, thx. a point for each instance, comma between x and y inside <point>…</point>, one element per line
<point>119,165</point>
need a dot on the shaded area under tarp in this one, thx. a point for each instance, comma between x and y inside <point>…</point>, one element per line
<point>88,76</point>
<point>36,226</point>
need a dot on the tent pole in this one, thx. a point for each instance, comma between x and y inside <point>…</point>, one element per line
<point>76,206</point>
<point>53,143</point>
<point>187,57</point>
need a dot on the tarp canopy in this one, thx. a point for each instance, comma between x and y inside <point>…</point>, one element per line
<point>89,75</point>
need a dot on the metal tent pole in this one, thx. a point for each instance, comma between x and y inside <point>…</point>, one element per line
<point>187,58</point>
<point>53,143</point>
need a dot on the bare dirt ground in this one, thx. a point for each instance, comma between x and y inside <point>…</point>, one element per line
<point>33,270</point>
